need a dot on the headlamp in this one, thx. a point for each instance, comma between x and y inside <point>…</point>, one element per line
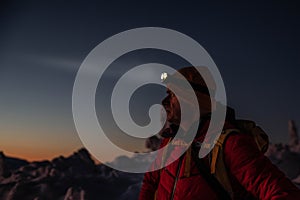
<point>163,76</point>
<point>166,78</point>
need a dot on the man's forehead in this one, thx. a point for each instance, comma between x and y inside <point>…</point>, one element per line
<point>168,90</point>
<point>171,87</point>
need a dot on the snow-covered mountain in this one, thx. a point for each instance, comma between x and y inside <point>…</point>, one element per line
<point>74,177</point>
<point>77,177</point>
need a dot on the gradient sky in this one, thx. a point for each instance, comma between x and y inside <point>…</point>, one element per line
<point>256,47</point>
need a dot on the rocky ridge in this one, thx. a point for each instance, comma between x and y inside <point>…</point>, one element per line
<point>74,177</point>
<point>78,177</point>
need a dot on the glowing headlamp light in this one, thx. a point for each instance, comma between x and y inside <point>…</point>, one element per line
<point>164,76</point>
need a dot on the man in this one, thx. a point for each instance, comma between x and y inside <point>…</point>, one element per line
<point>251,174</point>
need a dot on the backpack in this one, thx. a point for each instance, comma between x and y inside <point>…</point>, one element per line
<point>217,175</point>
<point>217,163</point>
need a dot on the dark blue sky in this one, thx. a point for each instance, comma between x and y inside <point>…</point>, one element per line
<point>256,47</point>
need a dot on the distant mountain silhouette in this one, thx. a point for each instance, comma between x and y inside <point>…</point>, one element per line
<point>77,177</point>
<point>73,177</point>
<point>287,156</point>
<point>8,164</point>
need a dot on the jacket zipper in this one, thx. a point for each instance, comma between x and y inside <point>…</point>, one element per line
<point>177,176</point>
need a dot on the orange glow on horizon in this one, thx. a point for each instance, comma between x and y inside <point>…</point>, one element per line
<point>36,154</point>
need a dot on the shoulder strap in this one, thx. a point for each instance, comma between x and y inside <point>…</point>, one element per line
<point>218,162</point>
<point>209,178</point>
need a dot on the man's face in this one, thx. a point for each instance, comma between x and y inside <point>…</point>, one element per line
<point>172,107</point>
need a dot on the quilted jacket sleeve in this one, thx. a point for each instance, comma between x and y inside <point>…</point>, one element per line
<point>255,172</point>
<point>149,186</point>
<point>151,179</point>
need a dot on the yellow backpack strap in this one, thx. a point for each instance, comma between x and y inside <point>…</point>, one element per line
<point>217,165</point>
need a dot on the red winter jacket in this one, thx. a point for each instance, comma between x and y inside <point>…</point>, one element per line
<point>250,172</point>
